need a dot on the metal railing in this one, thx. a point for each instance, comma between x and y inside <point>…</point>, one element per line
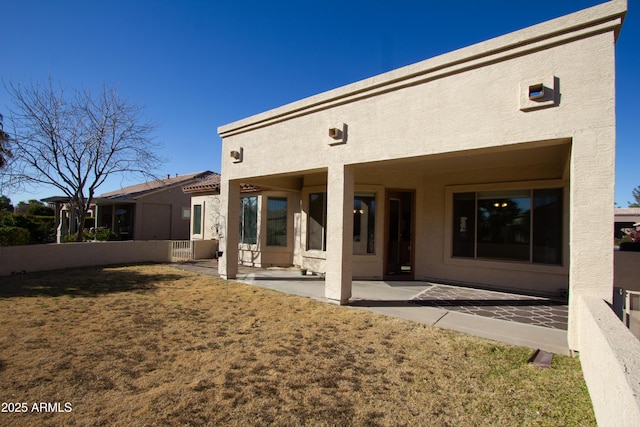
<point>181,250</point>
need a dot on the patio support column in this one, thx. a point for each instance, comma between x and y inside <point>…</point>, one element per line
<point>591,213</point>
<point>230,211</point>
<point>339,233</point>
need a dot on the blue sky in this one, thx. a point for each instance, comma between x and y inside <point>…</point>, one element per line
<point>195,65</point>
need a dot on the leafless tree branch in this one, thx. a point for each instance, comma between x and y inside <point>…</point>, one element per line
<point>74,142</point>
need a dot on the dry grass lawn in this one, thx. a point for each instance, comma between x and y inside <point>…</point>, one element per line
<point>153,345</point>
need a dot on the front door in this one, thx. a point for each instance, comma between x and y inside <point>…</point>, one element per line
<point>399,230</point>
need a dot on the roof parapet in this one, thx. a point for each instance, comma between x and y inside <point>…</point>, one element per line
<point>587,22</point>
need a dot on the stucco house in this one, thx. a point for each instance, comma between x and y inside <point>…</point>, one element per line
<point>153,210</point>
<point>492,165</point>
<point>625,218</point>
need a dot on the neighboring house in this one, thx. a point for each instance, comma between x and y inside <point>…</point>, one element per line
<point>154,210</point>
<point>625,218</point>
<point>480,166</point>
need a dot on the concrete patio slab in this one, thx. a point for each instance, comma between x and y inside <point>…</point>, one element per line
<point>536,337</point>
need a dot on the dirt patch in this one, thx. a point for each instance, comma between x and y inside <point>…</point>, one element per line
<point>152,345</point>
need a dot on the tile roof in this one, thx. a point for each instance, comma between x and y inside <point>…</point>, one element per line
<point>208,184</point>
<point>211,184</point>
<point>135,191</point>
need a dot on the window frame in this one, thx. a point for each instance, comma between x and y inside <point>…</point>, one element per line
<point>500,264</point>
<point>285,220</point>
<point>242,220</point>
<point>323,222</point>
<point>197,216</point>
<point>370,233</point>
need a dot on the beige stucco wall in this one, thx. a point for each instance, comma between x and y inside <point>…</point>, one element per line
<point>212,217</point>
<point>30,258</point>
<point>442,113</point>
<point>464,111</point>
<point>160,215</point>
<point>610,359</point>
<point>205,249</point>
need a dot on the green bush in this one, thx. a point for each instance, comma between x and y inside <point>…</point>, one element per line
<point>12,236</point>
<point>40,228</point>
<point>101,234</point>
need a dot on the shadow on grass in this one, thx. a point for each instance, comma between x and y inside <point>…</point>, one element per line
<point>81,282</point>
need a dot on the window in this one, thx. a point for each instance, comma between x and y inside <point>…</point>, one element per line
<point>317,222</point>
<point>364,223</point>
<point>197,219</point>
<point>503,225</point>
<point>249,220</point>
<point>520,225</point>
<point>276,221</point>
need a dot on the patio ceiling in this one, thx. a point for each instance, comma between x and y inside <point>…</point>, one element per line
<point>553,154</point>
<point>549,153</point>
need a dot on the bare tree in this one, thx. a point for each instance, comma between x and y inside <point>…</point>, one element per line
<point>4,145</point>
<point>74,142</point>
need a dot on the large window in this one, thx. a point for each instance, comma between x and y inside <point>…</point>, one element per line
<point>520,225</point>
<point>197,219</point>
<point>317,223</point>
<point>249,220</point>
<point>364,223</point>
<point>276,221</point>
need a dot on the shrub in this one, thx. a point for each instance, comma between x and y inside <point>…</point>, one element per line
<point>40,228</point>
<point>101,234</point>
<point>12,236</point>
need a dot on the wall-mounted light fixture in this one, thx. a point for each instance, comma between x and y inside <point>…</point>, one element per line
<point>338,134</point>
<point>237,155</point>
<point>541,92</point>
<point>536,91</point>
